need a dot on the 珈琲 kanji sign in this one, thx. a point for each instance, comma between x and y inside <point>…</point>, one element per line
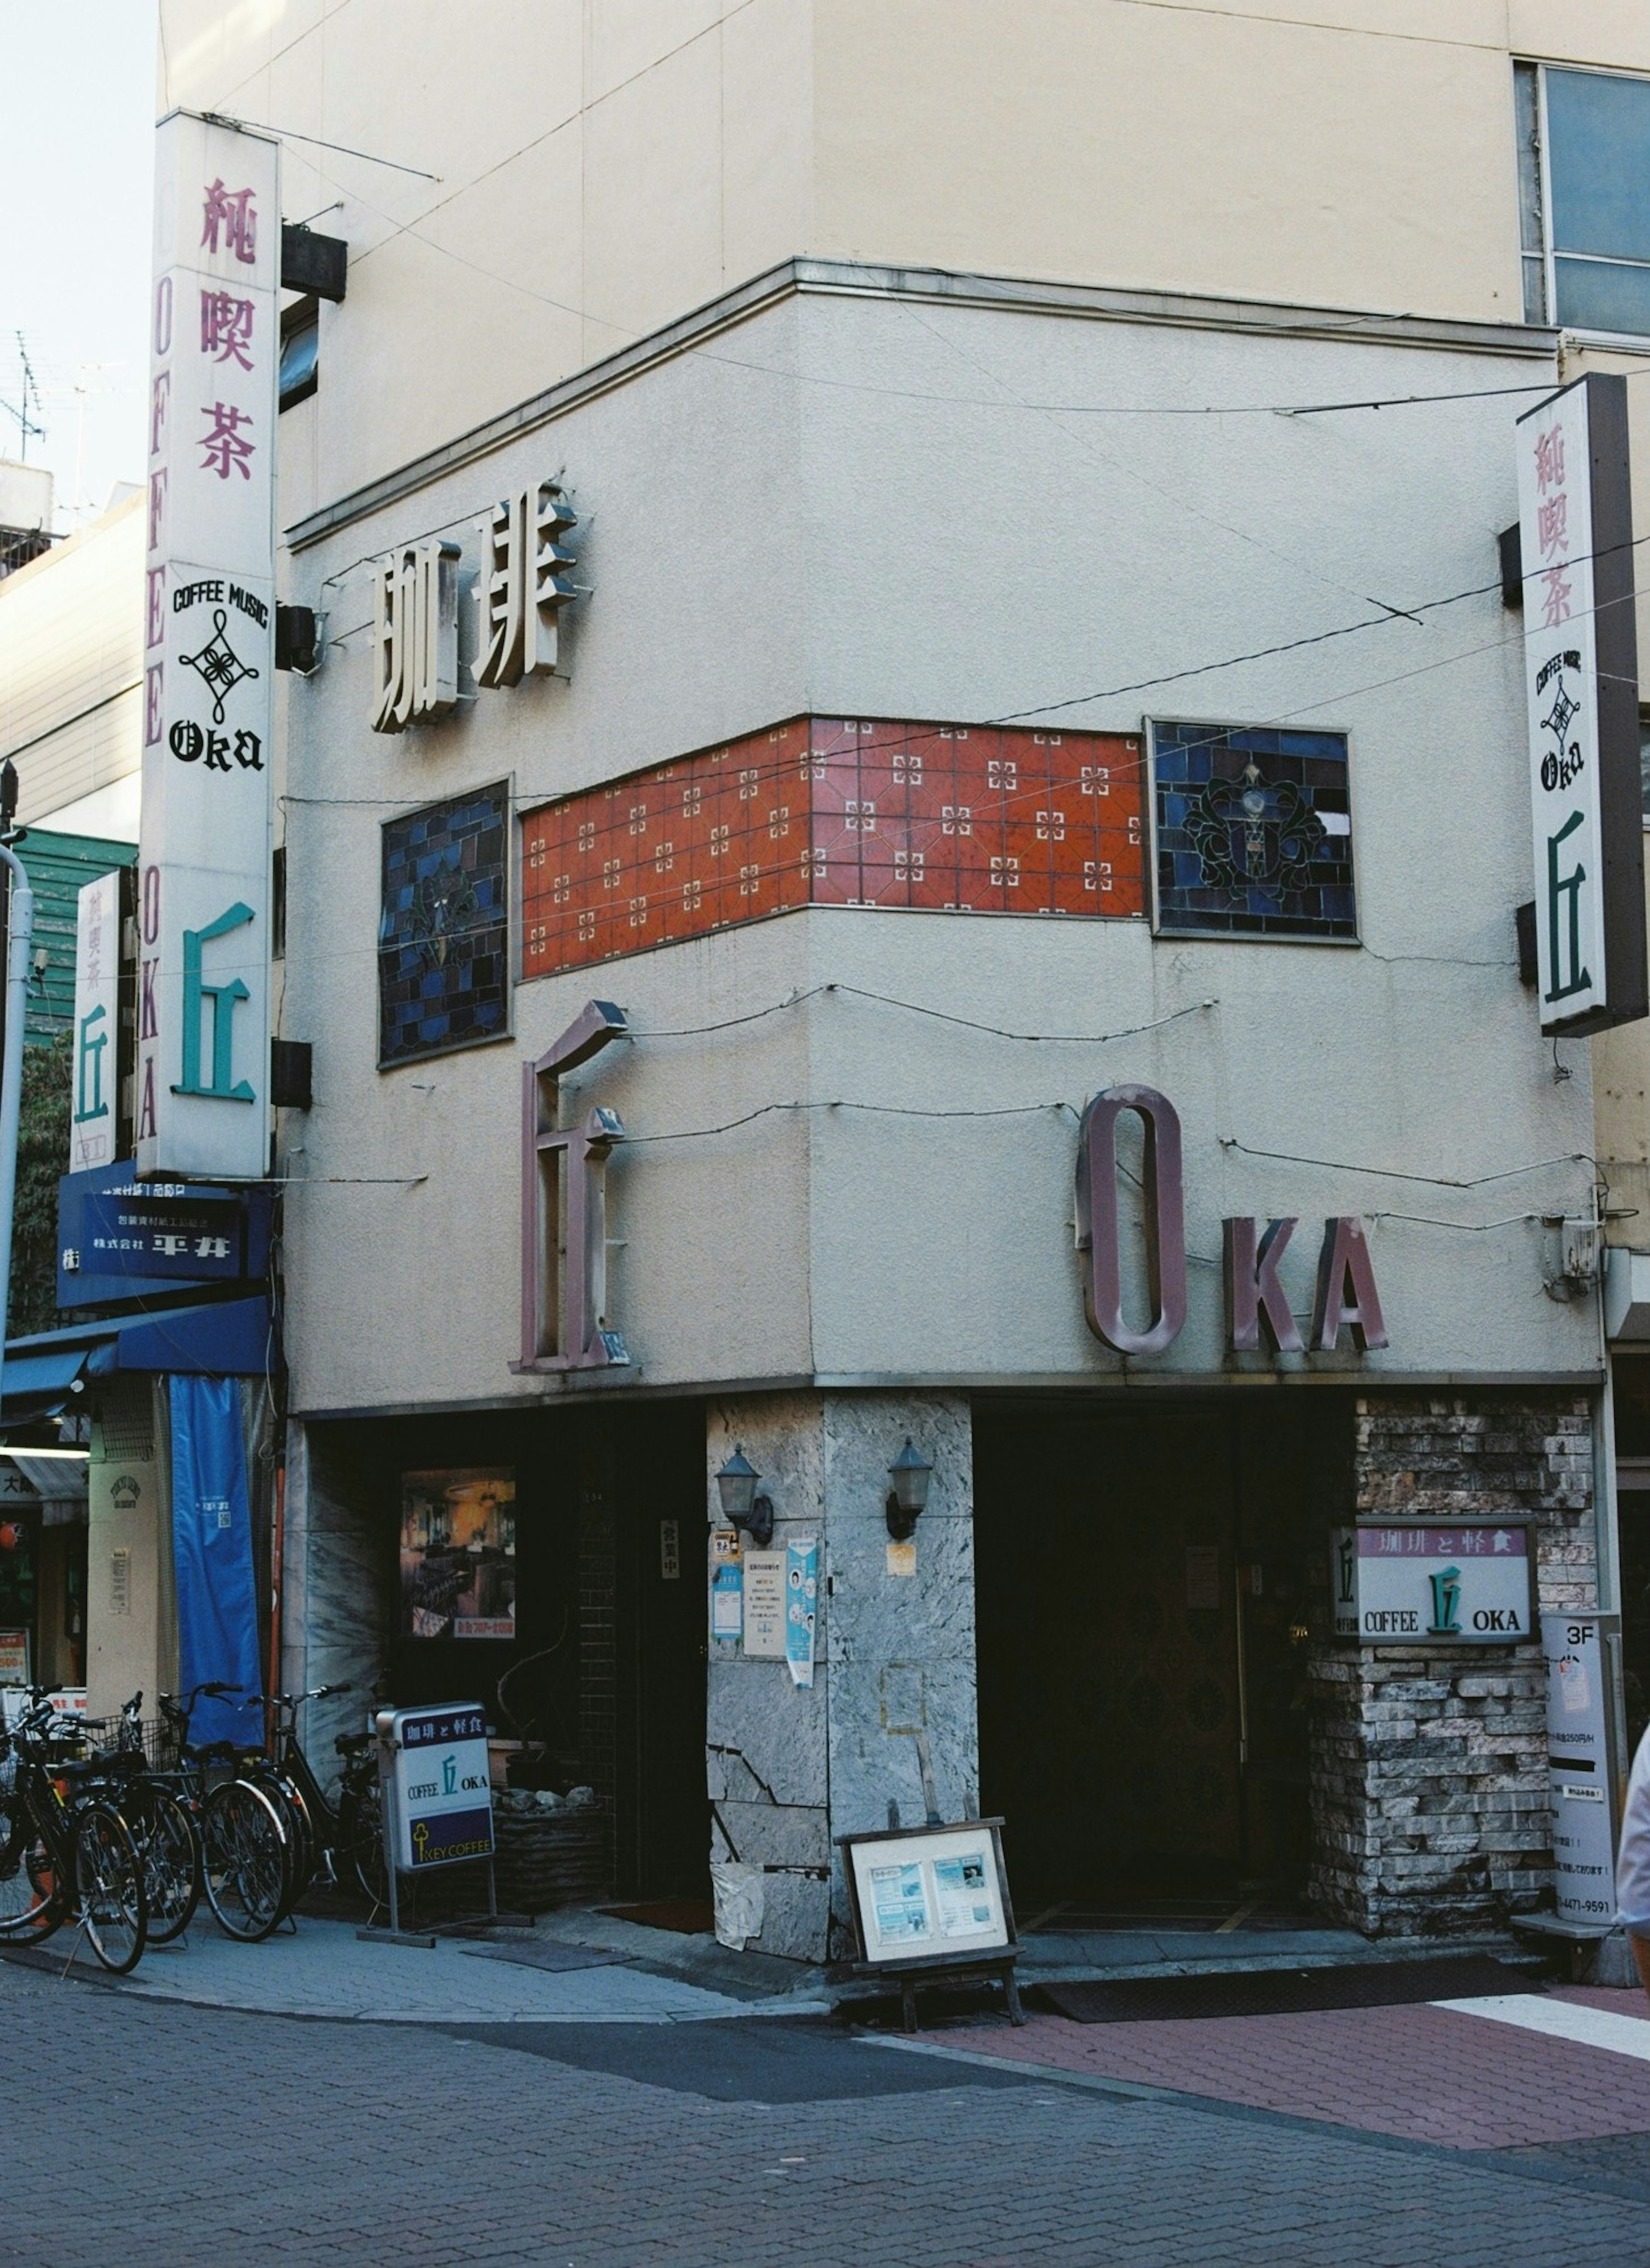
<point>201,1102</point>
<point>1580,657</point>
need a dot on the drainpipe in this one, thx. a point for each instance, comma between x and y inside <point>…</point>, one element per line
<point>21,930</point>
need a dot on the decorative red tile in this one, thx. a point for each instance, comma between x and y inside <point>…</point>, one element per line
<point>839,810</point>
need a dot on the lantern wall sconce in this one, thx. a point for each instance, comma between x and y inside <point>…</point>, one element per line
<point>911,1475</point>
<point>741,1507</point>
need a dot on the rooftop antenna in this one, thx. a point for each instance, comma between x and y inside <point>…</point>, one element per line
<point>28,395</point>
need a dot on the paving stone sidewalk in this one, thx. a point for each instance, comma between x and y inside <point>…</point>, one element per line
<point>1430,2072</point>
<point>146,2134</point>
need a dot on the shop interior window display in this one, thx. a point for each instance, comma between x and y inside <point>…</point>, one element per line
<point>458,1553</point>
<point>1252,832</point>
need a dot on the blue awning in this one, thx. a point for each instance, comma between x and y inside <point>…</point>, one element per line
<point>47,1372</point>
<point>43,1382</point>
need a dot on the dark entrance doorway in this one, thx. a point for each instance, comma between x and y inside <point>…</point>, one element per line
<point>1147,1585</point>
<point>549,1565</point>
<point>663,1848</point>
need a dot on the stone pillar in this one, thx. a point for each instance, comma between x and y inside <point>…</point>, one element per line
<point>791,1767</point>
<point>132,1603</point>
<point>1429,1781</point>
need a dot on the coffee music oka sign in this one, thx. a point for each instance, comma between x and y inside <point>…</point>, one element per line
<point>1580,658</point>
<point>201,1104</point>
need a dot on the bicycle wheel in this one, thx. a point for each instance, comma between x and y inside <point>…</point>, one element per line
<point>245,1859</point>
<point>109,1886</point>
<point>361,1835</point>
<point>164,1832</point>
<point>31,1903</point>
<point>288,1799</point>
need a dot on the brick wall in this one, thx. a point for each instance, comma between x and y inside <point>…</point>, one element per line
<point>1429,1777</point>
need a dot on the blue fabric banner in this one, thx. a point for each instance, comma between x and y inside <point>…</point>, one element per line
<point>211,1545</point>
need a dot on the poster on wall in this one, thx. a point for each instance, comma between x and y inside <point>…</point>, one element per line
<point>801,1583</point>
<point>458,1552</point>
<point>14,1657</point>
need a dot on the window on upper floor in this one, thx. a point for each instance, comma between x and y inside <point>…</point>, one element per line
<point>1251,833</point>
<point>444,931</point>
<point>300,351</point>
<point>1584,198</point>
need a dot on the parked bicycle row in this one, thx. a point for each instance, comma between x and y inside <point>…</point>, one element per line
<point>118,1828</point>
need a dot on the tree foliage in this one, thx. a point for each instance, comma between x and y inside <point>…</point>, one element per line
<point>42,1157</point>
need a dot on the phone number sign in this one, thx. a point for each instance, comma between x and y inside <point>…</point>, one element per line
<point>444,1797</point>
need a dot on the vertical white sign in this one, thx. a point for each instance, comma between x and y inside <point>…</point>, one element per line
<point>1579,1768</point>
<point>1555,514</point>
<point>95,1104</point>
<point>202,1107</point>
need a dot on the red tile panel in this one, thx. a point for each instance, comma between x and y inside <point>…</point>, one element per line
<point>836,811</point>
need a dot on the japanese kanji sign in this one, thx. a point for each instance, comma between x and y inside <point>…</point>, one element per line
<point>415,637</point>
<point>201,1104</point>
<point>94,1098</point>
<point>525,580</point>
<point>1581,672</point>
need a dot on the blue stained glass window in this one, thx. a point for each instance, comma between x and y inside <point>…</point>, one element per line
<point>444,933</point>
<point>1254,832</point>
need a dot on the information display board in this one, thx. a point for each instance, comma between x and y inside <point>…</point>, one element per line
<point>1578,1766</point>
<point>935,1893</point>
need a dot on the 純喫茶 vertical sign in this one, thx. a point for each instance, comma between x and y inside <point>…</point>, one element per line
<point>93,1111</point>
<point>1581,657</point>
<point>202,1106</point>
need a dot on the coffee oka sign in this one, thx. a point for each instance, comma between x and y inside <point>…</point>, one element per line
<point>1257,1311</point>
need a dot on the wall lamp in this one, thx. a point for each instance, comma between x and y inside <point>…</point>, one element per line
<point>911,1476</point>
<point>741,1507</point>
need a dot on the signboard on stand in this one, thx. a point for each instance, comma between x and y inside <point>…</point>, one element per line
<point>202,1107</point>
<point>932,1900</point>
<point>443,1786</point>
<point>1578,1766</point>
<point>1434,1582</point>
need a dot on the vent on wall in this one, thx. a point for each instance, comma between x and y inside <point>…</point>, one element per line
<point>124,1426</point>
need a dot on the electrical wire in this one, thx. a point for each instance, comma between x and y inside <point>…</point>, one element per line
<point>1391,1174</point>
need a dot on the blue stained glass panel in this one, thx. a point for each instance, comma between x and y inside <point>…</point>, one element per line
<point>444,931</point>
<point>1254,832</point>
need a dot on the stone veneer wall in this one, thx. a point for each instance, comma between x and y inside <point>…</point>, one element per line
<point>1429,1782</point>
<point>791,1767</point>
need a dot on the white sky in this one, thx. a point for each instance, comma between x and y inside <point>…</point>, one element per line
<point>79,78</point>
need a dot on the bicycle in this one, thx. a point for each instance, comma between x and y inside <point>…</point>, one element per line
<point>66,1854</point>
<point>162,1823</point>
<point>243,1839</point>
<point>330,1840</point>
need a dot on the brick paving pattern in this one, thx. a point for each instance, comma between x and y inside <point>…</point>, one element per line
<point>160,2136</point>
<point>1428,2074</point>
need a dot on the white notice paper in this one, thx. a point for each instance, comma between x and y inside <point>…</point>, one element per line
<point>764,1605</point>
